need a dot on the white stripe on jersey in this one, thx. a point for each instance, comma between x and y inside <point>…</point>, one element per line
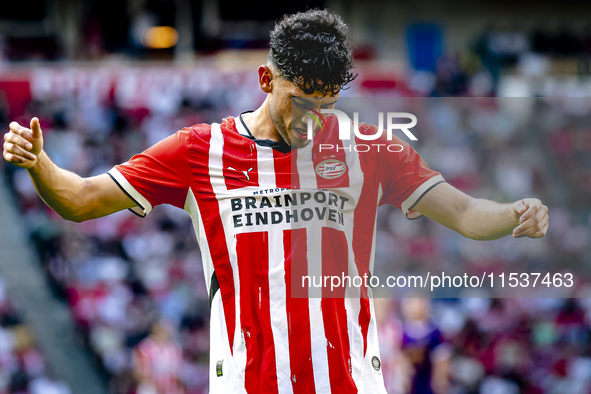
<point>192,208</point>
<point>373,382</point>
<point>372,258</point>
<point>305,168</point>
<point>216,175</point>
<point>353,306</point>
<point>307,176</point>
<point>277,289</point>
<point>277,307</point>
<point>319,345</point>
<point>266,167</point>
<point>232,380</point>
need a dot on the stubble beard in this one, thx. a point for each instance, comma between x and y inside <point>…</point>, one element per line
<point>279,125</point>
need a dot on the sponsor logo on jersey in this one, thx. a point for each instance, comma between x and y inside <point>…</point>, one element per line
<point>375,363</point>
<point>244,172</point>
<point>331,168</point>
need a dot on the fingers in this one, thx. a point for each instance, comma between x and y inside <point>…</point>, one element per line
<point>533,206</point>
<point>9,147</point>
<point>539,229</point>
<point>18,140</point>
<point>17,146</point>
<point>22,145</point>
<point>14,127</point>
<point>542,232</point>
<point>537,224</point>
<point>532,216</point>
<point>20,130</point>
<point>14,159</point>
<point>36,128</point>
<point>534,232</point>
<point>520,208</point>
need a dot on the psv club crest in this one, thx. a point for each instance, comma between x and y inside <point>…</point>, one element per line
<point>331,168</point>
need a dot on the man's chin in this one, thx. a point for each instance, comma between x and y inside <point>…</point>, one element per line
<point>297,143</point>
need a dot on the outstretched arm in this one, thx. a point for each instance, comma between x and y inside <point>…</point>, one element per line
<point>71,196</point>
<point>483,219</point>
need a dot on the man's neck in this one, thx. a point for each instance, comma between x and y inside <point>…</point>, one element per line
<point>259,123</point>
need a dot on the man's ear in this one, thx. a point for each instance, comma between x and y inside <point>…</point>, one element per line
<point>265,79</point>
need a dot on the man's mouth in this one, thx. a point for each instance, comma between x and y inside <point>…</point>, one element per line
<point>300,133</point>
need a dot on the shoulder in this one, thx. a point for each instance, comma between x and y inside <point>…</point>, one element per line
<point>203,131</point>
<point>191,138</point>
<point>199,131</point>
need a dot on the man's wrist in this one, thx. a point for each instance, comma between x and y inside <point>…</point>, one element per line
<point>35,168</point>
<point>512,217</point>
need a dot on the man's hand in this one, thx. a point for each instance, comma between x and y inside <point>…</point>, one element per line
<point>70,196</point>
<point>532,216</point>
<point>481,219</point>
<point>22,145</point>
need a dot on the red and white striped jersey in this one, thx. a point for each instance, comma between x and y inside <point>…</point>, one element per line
<point>265,218</point>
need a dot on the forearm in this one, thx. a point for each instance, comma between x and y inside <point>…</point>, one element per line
<point>63,191</point>
<point>482,219</point>
<point>71,196</point>
<point>486,220</point>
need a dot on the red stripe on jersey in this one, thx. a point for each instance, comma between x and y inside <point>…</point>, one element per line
<point>364,318</point>
<point>252,250</point>
<point>214,229</point>
<point>298,315</point>
<point>296,255</point>
<point>339,358</point>
<point>334,314</point>
<point>363,239</point>
<point>335,252</point>
<point>239,160</point>
<point>284,176</point>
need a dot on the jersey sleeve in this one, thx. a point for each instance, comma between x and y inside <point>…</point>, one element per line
<point>406,178</point>
<point>159,175</point>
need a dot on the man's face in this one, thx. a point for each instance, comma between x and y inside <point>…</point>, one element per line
<point>161,331</point>
<point>291,120</point>
<point>415,309</point>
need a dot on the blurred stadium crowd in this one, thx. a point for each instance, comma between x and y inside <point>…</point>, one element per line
<point>117,271</point>
<point>23,368</point>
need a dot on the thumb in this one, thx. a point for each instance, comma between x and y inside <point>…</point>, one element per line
<point>36,128</point>
<point>520,207</point>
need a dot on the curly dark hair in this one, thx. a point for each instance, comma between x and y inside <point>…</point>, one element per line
<point>313,46</point>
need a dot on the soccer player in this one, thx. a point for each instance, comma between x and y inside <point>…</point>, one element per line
<point>265,201</point>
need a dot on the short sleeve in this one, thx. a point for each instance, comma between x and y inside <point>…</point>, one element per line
<point>159,175</point>
<point>406,178</point>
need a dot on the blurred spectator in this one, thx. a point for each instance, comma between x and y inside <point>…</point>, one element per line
<point>22,366</point>
<point>424,348</point>
<point>157,362</point>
